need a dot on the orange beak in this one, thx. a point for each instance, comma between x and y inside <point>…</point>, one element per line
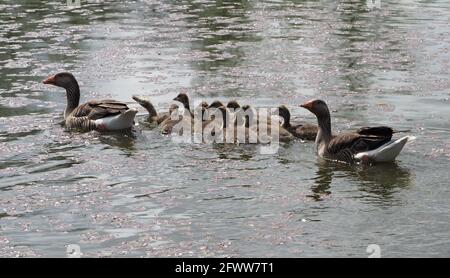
<point>50,80</point>
<point>308,105</point>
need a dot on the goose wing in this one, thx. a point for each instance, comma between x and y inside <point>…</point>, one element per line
<point>382,131</point>
<point>344,146</point>
<point>98,109</point>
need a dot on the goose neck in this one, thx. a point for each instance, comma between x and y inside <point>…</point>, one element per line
<point>73,98</point>
<point>324,132</point>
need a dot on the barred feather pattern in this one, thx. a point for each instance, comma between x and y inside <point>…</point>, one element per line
<point>345,155</point>
<point>343,147</point>
<point>81,123</point>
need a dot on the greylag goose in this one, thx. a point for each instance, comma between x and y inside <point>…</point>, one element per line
<point>93,115</point>
<point>303,131</point>
<point>233,108</point>
<point>204,107</point>
<point>216,104</point>
<point>369,144</point>
<point>153,116</point>
<point>208,113</point>
<point>222,130</point>
<point>184,99</point>
<point>255,126</point>
<point>174,118</point>
<point>233,104</point>
<point>250,124</point>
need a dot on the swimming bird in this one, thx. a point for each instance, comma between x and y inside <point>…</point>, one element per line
<point>233,104</point>
<point>221,126</point>
<point>204,110</point>
<point>256,125</point>
<point>369,144</point>
<point>93,115</point>
<point>210,112</point>
<point>170,122</point>
<point>233,108</point>
<point>153,116</point>
<point>184,99</point>
<point>216,104</point>
<point>303,131</point>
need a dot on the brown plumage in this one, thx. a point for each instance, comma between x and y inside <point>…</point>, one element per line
<point>254,125</point>
<point>203,104</point>
<point>184,99</point>
<point>303,131</point>
<point>233,104</point>
<point>97,109</point>
<point>82,116</point>
<point>344,146</point>
<point>153,116</point>
<point>216,104</point>
<point>221,128</point>
<point>204,107</point>
<point>168,124</point>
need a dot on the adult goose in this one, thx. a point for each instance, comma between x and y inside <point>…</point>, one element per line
<point>303,131</point>
<point>93,115</point>
<point>153,116</point>
<point>369,144</point>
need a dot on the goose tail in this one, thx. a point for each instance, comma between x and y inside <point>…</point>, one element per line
<point>387,152</point>
<point>117,122</point>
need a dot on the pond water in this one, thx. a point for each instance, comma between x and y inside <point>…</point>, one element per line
<point>142,194</point>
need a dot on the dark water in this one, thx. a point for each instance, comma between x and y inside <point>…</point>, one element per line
<point>141,194</point>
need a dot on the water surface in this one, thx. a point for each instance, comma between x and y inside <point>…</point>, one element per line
<point>141,194</point>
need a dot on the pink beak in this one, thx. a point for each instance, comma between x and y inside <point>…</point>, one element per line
<point>50,80</point>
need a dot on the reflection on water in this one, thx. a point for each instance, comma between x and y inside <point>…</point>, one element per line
<point>382,180</point>
<point>124,140</point>
<point>322,180</point>
<point>385,177</point>
<point>59,187</point>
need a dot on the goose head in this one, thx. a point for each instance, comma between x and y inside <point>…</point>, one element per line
<point>184,99</point>
<point>233,105</point>
<point>320,109</point>
<point>284,113</point>
<point>317,107</point>
<point>216,104</point>
<point>63,79</point>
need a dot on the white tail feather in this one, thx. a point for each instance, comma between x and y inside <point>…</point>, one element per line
<point>117,122</point>
<point>387,152</point>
